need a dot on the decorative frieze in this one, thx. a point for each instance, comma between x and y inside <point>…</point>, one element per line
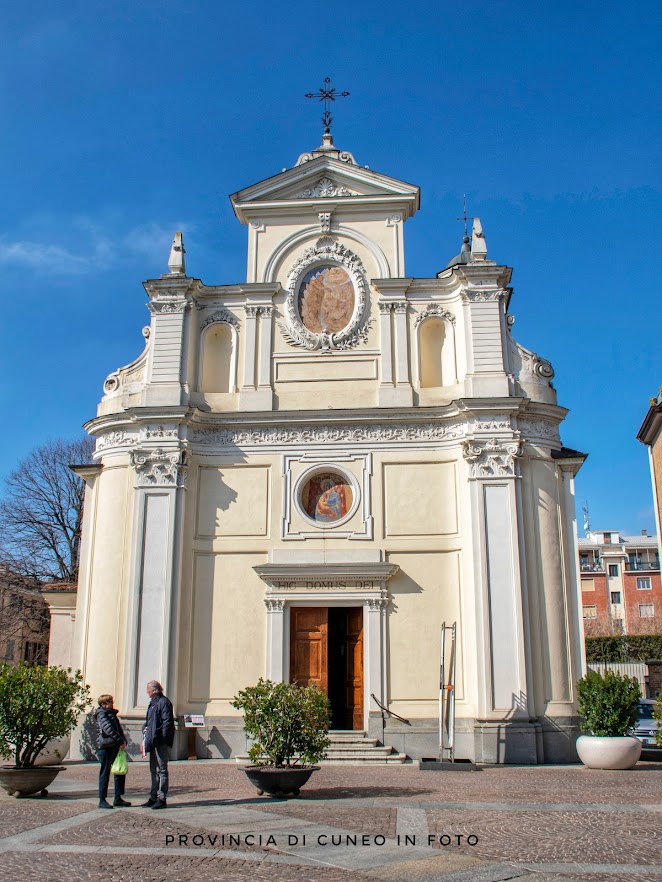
<point>434,309</point>
<point>159,433</point>
<point>478,295</point>
<point>372,434</point>
<point>168,307</point>
<point>114,439</point>
<point>533,428</point>
<point>160,468</point>
<point>496,458</point>
<point>494,424</point>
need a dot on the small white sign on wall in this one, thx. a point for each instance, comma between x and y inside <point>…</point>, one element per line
<point>193,721</point>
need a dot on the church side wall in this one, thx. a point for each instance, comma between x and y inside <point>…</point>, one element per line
<point>101,613</point>
<point>552,602</point>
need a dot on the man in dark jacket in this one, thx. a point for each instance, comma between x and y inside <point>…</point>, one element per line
<point>159,736</point>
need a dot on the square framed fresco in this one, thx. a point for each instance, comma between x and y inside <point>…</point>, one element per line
<point>327,494</point>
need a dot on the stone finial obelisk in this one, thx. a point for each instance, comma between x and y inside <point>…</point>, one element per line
<point>176,262</point>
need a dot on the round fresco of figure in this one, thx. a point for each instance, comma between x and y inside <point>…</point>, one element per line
<point>326,299</point>
<point>327,497</point>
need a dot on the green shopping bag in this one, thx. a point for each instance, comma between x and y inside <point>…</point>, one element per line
<point>120,766</point>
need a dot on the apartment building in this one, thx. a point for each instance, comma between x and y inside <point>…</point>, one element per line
<point>620,582</point>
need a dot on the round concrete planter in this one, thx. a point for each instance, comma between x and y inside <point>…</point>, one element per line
<point>278,781</point>
<point>23,782</point>
<point>54,752</point>
<point>598,752</point>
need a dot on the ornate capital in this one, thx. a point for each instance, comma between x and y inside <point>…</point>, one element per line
<point>393,220</point>
<point>496,458</point>
<point>221,315</point>
<point>251,311</point>
<point>274,606</point>
<point>377,603</point>
<point>434,309</point>
<point>160,468</point>
<point>266,311</point>
<point>400,306</point>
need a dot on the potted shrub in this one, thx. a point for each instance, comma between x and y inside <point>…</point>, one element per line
<point>608,708</point>
<point>37,704</point>
<point>288,725</point>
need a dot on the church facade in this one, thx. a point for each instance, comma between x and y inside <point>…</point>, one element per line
<point>303,476</point>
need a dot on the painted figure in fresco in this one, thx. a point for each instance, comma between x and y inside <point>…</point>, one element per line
<point>326,301</point>
<point>330,504</point>
<point>327,498</point>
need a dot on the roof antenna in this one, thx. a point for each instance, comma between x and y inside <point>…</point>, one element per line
<point>465,217</point>
<point>587,520</point>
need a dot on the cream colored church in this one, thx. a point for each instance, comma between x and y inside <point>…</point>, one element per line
<point>305,474</point>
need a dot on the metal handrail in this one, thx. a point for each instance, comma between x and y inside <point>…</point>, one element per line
<point>389,712</point>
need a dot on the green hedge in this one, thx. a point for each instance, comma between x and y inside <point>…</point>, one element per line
<point>624,648</point>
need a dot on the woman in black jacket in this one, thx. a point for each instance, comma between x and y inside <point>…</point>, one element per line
<point>110,738</point>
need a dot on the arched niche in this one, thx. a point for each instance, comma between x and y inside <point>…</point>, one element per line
<point>436,353</point>
<point>218,359</point>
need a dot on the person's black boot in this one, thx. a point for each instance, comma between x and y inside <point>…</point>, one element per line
<point>159,804</point>
<point>150,802</point>
<point>103,803</point>
<point>119,802</point>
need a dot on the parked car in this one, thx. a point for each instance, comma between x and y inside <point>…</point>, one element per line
<point>646,728</point>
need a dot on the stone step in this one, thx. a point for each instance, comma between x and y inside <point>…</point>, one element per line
<point>392,759</point>
<point>357,748</point>
<point>348,738</point>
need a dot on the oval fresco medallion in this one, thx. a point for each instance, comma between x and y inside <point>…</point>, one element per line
<point>327,497</point>
<point>326,299</point>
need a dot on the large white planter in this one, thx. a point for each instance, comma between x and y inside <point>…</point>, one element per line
<point>599,752</point>
<point>54,752</point>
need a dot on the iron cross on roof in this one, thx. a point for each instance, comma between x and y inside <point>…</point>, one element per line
<point>327,94</point>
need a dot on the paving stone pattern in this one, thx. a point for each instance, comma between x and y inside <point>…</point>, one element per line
<point>549,824</point>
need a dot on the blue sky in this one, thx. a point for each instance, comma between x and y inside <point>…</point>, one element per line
<point>123,122</point>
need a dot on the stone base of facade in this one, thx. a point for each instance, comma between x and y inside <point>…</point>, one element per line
<point>518,742</point>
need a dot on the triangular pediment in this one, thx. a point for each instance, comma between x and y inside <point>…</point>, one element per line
<point>325,178</point>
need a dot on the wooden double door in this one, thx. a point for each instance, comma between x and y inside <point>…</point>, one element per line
<point>326,648</point>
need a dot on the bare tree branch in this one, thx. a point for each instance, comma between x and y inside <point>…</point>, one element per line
<point>42,511</point>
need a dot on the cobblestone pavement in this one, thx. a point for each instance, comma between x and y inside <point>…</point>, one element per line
<point>351,824</point>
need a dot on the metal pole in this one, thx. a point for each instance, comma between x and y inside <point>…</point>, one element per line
<point>451,698</point>
<point>442,651</point>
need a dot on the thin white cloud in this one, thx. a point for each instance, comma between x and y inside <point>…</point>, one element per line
<point>44,258</point>
<point>149,240</point>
